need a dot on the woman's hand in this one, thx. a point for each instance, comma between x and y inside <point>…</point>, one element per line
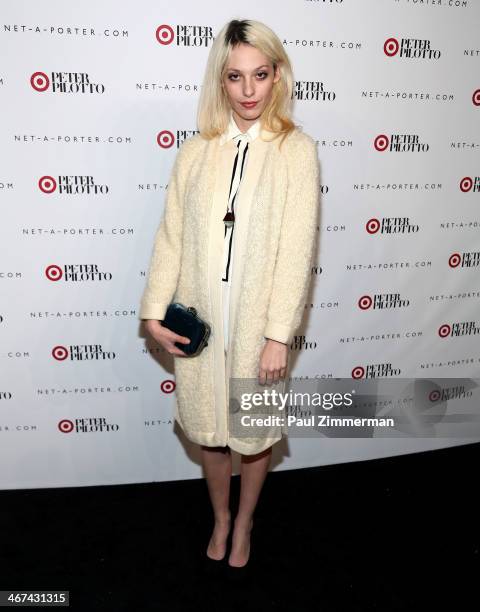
<point>273,362</point>
<point>166,337</point>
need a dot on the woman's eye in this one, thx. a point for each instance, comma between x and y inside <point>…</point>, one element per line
<point>262,75</point>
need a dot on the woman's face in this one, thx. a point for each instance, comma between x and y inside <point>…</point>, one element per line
<point>249,77</point>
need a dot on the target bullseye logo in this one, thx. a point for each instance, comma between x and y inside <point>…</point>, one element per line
<point>434,395</point>
<point>365,302</point>
<point>466,184</point>
<point>39,81</point>
<point>66,426</point>
<point>358,372</point>
<point>54,272</point>
<point>168,386</point>
<point>391,47</point>
<point>47,184</point>
<point>476,97</point>
<point>165,139</point>
<point>381,142</point>
<point>164,34</point>
<point>59,352</point>
<point>444,330</point>
<point>454,260</point>
<point>372,226</point>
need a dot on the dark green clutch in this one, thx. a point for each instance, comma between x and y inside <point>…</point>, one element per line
<point>185,321</point>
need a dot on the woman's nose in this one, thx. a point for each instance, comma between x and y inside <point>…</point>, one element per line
<point>248,88</point>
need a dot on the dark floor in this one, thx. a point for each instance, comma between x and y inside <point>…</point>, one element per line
<point>387,535</point>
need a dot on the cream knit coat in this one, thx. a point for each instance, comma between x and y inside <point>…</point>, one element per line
<point>274,239</point>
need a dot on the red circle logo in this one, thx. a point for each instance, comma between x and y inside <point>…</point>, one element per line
<point>165,139</point>
<point>53,272</point>
<point>164,34</point>
<point>454,260</point>
<point>39,81</point>
<point>391,47</point>
<point>47,184</point>
<point>381,142</point>
<point>444,330</point>
<point>59,353</point>
<point>365,302</point>
<point>65,426</point>
<point>466,184</point>
<point>168,386</point>
<point>372,226</point>
<point>358,372</point>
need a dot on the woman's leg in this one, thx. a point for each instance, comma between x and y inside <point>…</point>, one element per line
<point>254,469</point>
<point>217,465</point>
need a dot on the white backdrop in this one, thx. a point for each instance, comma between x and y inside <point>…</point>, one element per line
<point>389,89</point>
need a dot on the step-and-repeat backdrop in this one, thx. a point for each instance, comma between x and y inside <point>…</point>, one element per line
<point>97,98</point>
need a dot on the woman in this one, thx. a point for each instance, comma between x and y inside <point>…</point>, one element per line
<point>249,280</point>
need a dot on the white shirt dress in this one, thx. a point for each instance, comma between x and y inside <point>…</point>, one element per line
<point>242,140</point>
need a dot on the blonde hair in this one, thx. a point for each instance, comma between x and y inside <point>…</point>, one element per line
<point>214,109</point>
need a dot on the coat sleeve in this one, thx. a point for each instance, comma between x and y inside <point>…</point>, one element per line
<point>166,254</point>
<point>292,272</point>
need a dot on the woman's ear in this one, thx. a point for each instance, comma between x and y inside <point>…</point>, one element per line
<point>276,78</point>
